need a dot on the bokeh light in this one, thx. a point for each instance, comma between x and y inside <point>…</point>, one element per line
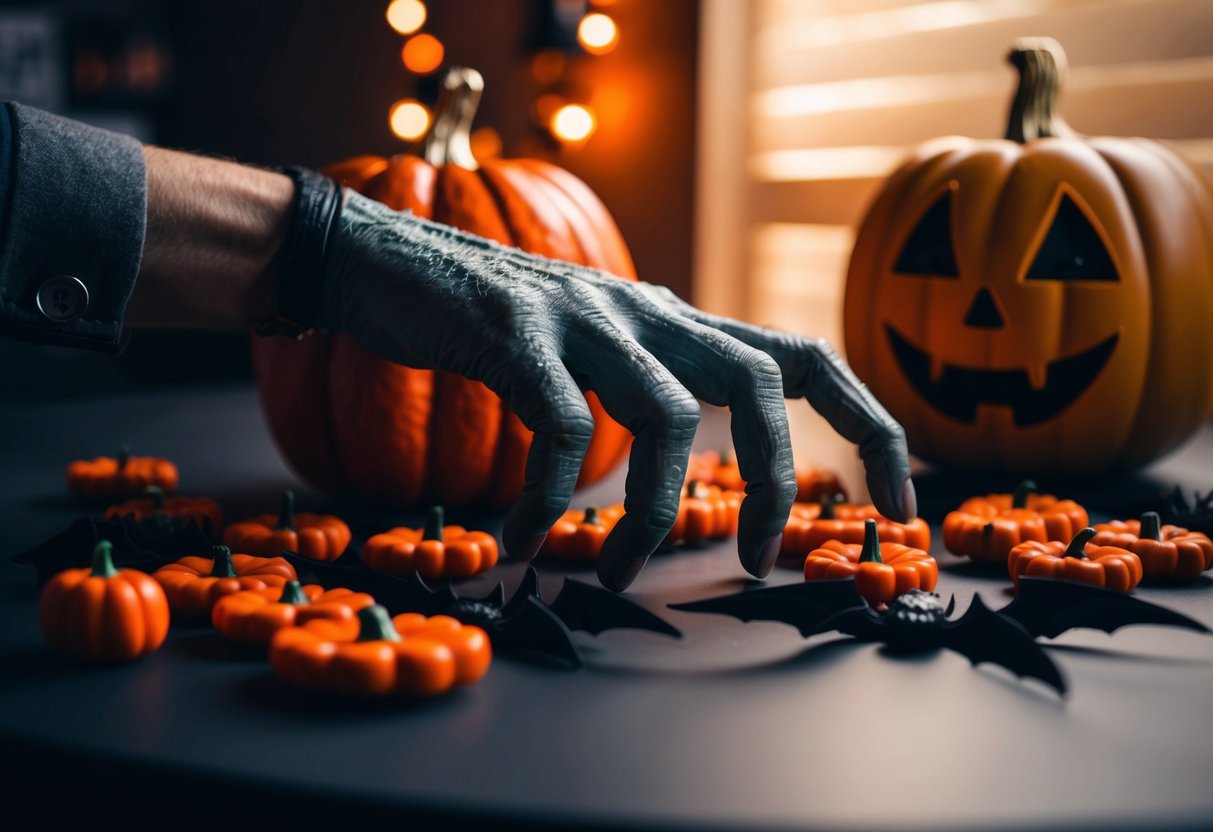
<point>548,66</point>
<point>409,119</point>
<point>597,33</point>
<point>573,123</point>
<point>486,143</point>
<point>422,54</point>
<point>406,16</point>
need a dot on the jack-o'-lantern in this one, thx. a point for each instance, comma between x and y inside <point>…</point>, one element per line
<point>1038,302</point>
<point>352,423</point>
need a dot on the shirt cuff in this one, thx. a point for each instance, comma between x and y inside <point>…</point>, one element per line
<point>72,237</point>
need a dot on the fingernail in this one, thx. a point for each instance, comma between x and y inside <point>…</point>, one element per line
<point>622,578</point>
<point>909,499</point>
<point>527,549</point>
<point>768,556</point>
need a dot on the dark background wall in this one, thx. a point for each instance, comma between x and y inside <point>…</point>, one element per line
<point>311,82</point>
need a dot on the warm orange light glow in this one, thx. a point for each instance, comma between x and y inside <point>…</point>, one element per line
<point>406,16</point>
<point>422,54</point>
<point>486,143</point>
<point>573,123</point>
<point>597,33</point>
<point>546,106</point>
<point>548,66</point>
<point>409,119</point>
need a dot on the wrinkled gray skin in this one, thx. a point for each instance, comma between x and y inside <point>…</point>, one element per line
<point>538,332</point>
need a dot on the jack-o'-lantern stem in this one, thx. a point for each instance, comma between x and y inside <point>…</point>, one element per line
<point>1151,526</point>
<point>450,138</point>
<point>871,543</point>
<point>1041,63</point>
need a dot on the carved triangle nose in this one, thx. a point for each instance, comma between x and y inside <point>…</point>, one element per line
<point>983,313</point>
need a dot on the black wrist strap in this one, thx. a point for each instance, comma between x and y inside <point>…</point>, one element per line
<point>314,216</point>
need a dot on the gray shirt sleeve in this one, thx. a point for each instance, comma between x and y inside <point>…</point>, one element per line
<point>72,237</point>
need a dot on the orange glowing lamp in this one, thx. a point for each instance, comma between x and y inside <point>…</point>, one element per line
<point>573,123</point>
<point>597,33</point>
<point>409,119</point>
<point>422,54</point>
<point>406,16</point>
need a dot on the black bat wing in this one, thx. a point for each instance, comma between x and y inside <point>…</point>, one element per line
<point>73,548</point>
<point>1048,607</point>
<point>806,606</point>
<point>535,632</point>
<point>593,609</point>
<point>982,635</point>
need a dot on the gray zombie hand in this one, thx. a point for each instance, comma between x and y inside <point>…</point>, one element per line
<point>538,332</point>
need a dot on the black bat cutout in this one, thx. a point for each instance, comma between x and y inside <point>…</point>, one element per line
<point>137,545</point>
<point>524,625</point>
<point>914,622</point>
<point>1197,515</point>
<point>1049,608</point>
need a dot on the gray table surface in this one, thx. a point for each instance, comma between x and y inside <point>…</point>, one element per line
<point>735,725</point>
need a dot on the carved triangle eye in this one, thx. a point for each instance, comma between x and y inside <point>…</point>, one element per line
<point>928,251</point>
<point>1073,249</point>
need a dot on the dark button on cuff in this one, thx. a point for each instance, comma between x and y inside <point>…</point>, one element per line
<point>62,298</point>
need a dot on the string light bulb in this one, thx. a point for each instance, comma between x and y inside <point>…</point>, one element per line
<point>573,123</point>
<point>422,54</point>
<point>409,119</point>
<point>597,33</point>
<point>406,16</point>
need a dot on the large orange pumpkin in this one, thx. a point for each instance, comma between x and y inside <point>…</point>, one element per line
<point>1039,302</point>
<point>352,423</point>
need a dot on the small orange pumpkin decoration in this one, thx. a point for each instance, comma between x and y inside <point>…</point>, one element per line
<point>1037,302</point>
<point>810,525</point>
<point>320,537</point>
<point>435,551</point>
<point>1078,560</point>
<point>252,616</point>
<point>720,468</point>
<point>882,571</point>
<point>374,656</point>
<point>350,422</point>
<point>1165,551</point>
<point>121,477</point>
<point>579,535</point>
<point>986,528</point>
<point>193,584</point>
<point>102,614</point>
<point>153,505</point>
<point>705,512</point>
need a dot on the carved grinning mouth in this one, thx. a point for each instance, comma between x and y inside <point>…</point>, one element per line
<point>959,390</point>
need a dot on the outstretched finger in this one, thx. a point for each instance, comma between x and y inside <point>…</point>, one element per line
<point>814,371</point>
<point>721,370</point>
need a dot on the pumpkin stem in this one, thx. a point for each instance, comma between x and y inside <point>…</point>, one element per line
<point>871,543</point>
<point>1151,526</point>
<point>591,516</point>
<point>449,141</point>
<point>292,593</point>
<point>222,567</point>
<point>828,501</point>
<point>374,624</point>
<point>1078,546</point>
<point>727,457</point>
<point>286,515</point>
<point>124,455</point>
<point>434,522</point>
<point>1019,499</point>
<point>692,487</point>
<point>156,494</point>
<point>103,560</point>
<point>1041,63</point>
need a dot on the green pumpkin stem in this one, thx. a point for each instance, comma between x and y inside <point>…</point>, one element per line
<point>222,567</point>
<point>1022,491</point>
<point>871,543</point>
<point>1151,526</point>
<point>124,456</point>
<point>828,501</point>
<point>1078,546</point>
<point>434,522</point>
<point>591,516</point>
<point>286,515</point>
<point>727,457</point>
<point>103,560</point>
<point>449,141</point>
<point>1041,64</point>
<point>156,494</point>
<point>292,593</point>
<point>374,624</point>
<point>692,487</point>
